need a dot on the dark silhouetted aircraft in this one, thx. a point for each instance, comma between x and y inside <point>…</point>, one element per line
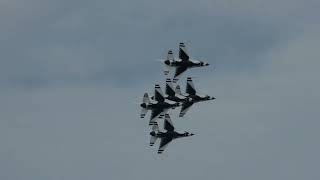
<point>182,63</point>
<point>166,137</point>
<point>192,97</point>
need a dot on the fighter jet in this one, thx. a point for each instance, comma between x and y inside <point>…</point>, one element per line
<point>192,97</point>
<point>166,137</point>
<point>182,63</point>
<point>158,107</point>
<point>171,93</point>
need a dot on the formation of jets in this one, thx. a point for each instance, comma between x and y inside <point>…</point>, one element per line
<point>160,104</point>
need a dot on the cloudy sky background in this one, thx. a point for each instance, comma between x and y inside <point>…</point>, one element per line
<point>71,73</point>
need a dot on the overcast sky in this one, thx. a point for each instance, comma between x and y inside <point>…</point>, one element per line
<point>72,73</point>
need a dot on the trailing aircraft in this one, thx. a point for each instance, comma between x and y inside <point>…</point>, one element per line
<point>182,63</point>
<point>166,137</point>
<point>158,107</point>
<point>192,97</point>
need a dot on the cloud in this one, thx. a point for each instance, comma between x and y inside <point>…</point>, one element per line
<point>81,42</point>
<point>88,65</point>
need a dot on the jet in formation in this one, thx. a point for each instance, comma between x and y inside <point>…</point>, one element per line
<point>182,63</point>
<point>158,107</point>
<point>192,97</point>
<point>165,136</point>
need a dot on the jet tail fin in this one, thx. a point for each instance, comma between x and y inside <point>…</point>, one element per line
<point>167,62</point>
<point>145,101</point>
<point>178,90</point>
<point>155,127</point>
<point>145,98</point>
<point>143,112</point>
<point>170,55</point>
<point>153,140</point>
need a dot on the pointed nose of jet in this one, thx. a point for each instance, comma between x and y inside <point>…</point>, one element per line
<point>206,64</point>
<point>191,134</point>
<point>212,98</point>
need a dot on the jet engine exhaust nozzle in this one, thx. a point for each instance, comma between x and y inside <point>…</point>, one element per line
<point>143,105</point>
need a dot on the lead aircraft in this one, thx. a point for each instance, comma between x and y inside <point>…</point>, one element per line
<point>158,107</point>
<point>182,63</point>
<point>191,97</point>
<point>167,136</point>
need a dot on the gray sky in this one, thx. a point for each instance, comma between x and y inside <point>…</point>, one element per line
<point>72,73</point>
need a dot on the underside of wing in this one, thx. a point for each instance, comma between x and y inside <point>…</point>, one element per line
<point>168,123</point>
<point>183,55</point>
<point>163,144</point>
<point>185,107</point>
<point>158,95</point>
<point>169,88</point>
<point>154,114</point>
<point>180,70</point>
<point>190,87</point>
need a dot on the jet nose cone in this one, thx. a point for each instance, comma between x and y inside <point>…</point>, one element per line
<point>191,134</point>
<point>213,98</point>
<point>206,64</point>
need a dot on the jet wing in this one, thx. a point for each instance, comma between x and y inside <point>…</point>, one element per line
<point>164,143</point>
<point>168,123</point>
<point>158,95</point>
<point>169,88</point>
<point>154,114</point>
<point>185,107</point>
<point>190,87</point>
<point>183,55</point>
<point>180,70</point>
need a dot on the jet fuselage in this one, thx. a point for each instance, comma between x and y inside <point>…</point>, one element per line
<point>170,134</point>
<point>159,105</point>
<point>197,98</point>
<point>187,64</point>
